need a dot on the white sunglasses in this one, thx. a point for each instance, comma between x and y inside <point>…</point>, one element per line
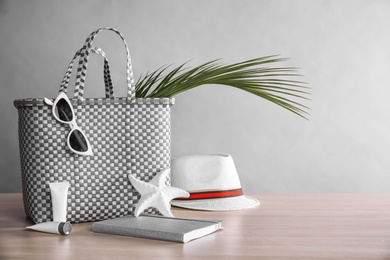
<point>63,112</point>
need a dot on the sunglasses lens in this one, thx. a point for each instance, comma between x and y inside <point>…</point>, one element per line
<point>64,111</point>
<point>77,141</point>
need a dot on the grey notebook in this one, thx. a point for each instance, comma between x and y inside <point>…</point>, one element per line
<point>158,227</point>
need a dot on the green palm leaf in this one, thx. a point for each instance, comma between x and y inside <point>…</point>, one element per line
<point>254,76</point>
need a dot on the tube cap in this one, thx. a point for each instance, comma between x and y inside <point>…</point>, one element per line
<point>64,228</point>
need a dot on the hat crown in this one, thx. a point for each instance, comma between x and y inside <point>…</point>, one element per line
<point>204,172</point>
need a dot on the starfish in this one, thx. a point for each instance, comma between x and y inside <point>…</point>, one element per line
<point>156,194</point>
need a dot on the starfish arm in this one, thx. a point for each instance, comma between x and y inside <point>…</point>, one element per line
<point>173,192</point>
<point>160,178</point>
<point>145,202</point>
<point>164,207</point>
<point>141,186</point>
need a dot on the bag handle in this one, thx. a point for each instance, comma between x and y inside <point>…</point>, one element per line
<point>107,76</point>
<point>83,63</point>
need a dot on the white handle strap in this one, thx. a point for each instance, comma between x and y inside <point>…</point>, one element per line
<point>106,72</point>
<point>83,63</point>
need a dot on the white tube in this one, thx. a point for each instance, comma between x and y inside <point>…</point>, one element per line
<point>62,228</point>
<point>59,200</point>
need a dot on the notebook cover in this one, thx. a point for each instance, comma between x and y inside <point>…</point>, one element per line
<point>157,227</point>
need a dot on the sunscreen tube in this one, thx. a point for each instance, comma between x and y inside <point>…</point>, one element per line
<point>62,228</point>
<point>59,200</point>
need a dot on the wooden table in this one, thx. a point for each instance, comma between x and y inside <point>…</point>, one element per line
<point>284,226</point>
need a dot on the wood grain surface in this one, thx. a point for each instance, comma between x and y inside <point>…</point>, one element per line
<point>284,226</point>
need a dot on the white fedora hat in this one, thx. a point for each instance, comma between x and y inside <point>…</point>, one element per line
<point>212,182</point>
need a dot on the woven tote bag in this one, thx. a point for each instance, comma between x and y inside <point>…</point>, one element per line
<point>128,135</point>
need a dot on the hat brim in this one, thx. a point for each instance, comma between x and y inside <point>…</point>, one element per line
<point>221,204</point>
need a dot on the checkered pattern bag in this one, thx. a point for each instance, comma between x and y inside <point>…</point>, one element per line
<point>127,135</point>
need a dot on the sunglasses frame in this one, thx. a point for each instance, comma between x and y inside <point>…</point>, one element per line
<point>72,124</point>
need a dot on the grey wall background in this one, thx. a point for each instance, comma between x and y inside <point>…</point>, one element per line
<point>341,47</point>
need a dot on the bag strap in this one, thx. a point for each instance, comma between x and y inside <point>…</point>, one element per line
<point>83,63</point>
<point>107,76</point>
